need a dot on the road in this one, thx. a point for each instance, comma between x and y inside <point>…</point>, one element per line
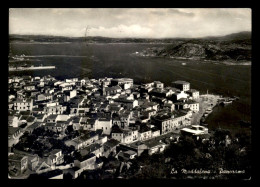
<point>206,101</point>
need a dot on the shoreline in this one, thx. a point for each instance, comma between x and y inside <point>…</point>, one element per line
<point>235,63</point>
<point>206,101</point>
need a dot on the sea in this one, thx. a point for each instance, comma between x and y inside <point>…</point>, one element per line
<point>99,60</point>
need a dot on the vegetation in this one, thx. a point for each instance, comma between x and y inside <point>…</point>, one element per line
<point>190,154</point>
<point>41,140</point>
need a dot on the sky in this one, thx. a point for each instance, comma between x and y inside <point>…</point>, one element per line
<point>130,22</point>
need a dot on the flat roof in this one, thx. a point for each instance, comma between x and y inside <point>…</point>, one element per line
<point>153,143</point>
<point>192,90</point>
<point>180,82</point>
<point>15,157</point>
<point>111,143</point>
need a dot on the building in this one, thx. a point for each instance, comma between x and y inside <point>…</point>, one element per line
<point>29,87</point>
<point>33,126</point>
<point>105,124</point>
<point>86,162</point>
<point>169,106</point>
<point>14,132</point>
<point>189,104</point>
<point>182,85</point>
<point>124,135</point>
<point>155,132</point>
<point>108,117</point>
<point>58,127</point>
<point>145,133</point>
<point>194,106</point>
<point>52,118</point>
<point>55,157</point>
<point>155,146</point>
<point>83,140</point>
<point>17,164</point>
<point>53,108</point>
<point>110,147</point>
<point>179,95</point>
<point>138,147</point>
<point>95,149</point>
<point>158,84</point>
<point>126,82</point>
<point>127,155</point>
<point>129,104</point>
<point>193,93</point>
<point>13,121</point>
<point>194,130</point>
<point>23,104</point>
<point>44,97</point>
<point>171,121</point>
<point>69,94</point>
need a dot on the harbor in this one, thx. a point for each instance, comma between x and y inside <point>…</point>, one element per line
<point>207,104</point>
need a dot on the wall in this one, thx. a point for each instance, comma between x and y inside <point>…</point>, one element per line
<point>57,177</point>
<point>105,126</point>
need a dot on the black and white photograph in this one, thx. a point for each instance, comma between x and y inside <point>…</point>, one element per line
<point>129,93</point>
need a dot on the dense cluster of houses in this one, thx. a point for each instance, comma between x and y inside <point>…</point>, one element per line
<point>118,118</point>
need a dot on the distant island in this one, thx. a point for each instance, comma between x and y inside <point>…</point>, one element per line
<point>232,48</point>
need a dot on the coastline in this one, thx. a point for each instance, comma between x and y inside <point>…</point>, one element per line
<point>206,101</point>
<point>234,63</point>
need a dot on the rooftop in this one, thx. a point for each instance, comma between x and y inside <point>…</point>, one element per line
<point>22,101</point>
<point>55,151</point>
<point>192,90</point>
<point>15,157</point>
<point>12,130</point>
<point>52,116</point>
<point>136,144</point>
<point>153,143</point>
<point>180,82</point>
<point>86,157</point>
<point>111,143</point>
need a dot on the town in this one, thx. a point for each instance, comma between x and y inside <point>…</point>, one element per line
<point>64,127</point>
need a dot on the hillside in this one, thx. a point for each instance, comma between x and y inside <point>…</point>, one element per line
<point>233,47</point>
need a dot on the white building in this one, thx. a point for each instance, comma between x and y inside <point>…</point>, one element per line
<point>194,130</point>
<point>193,93</point>
<point>23,104</point>
<point>105,125</point>
<point>180,95</point>
<point>182,85</point>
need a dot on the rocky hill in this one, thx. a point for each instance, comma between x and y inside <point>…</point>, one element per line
<point>234,47</point>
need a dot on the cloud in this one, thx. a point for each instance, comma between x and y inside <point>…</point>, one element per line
<point>129,22</point>
<point>179,12</point>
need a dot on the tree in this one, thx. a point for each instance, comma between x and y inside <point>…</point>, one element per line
<point>39,131</point>
<point>220,135</point>
<point>243,139</point>
<point>69,129</point>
